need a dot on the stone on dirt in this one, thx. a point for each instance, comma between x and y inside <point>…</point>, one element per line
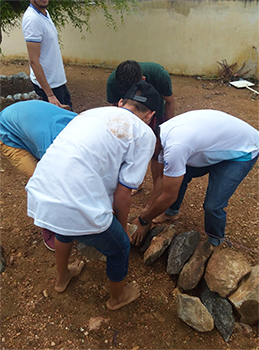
<point>243,328</point>
<point>15,84</point>
<point>193,270</point>
<point>96,322</point>
<point>180,250</point>
<point>220,310</point>
<point>17,97</point>
<point>191,310</point>
<point>153,233</point>
<point>246,298</point>
<point>224,271</point>
<point>159,244</point>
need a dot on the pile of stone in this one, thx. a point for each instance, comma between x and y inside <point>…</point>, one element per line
<point>214,289</point>
<point>17,87</point>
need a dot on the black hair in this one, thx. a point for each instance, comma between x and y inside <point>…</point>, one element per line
<point>140,106</point>
<point>128,73</point>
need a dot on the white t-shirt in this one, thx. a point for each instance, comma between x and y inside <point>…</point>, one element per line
<point>71,190</point>
<point>205,137</point>
<point>40,29</point>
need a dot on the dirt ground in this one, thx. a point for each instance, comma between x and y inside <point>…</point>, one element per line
<point>34,316</point>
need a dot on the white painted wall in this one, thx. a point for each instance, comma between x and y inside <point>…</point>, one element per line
<point>185,36</point>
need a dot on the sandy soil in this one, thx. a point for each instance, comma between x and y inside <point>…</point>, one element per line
<point>34,316</point>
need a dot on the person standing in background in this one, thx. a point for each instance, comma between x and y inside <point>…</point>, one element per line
<point>46,65</point>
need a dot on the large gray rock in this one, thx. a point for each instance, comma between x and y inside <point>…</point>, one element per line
<point>193,270</point>
<point>159,244</point>
<point>246,298</point>
<point>180,250</point>
<point>224,271</point>
<point>220,310</point>
<point>194,313</point>
<point>18,97</point>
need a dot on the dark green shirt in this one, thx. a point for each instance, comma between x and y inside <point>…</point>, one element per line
<point>155,75</point>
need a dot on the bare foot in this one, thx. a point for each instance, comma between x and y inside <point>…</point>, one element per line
<point>74,270</point>
<point>131,293</point>
<point>163,217</point>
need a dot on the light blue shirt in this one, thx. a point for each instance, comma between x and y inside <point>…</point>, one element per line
<point>32,125</point>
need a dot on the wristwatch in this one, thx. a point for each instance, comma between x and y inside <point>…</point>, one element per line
<point>143,222</point>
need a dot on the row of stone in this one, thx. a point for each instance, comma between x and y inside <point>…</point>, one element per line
<point>20,97</point>
<point>14,84</point>
<point>226,280</point>
<point>17,87</point>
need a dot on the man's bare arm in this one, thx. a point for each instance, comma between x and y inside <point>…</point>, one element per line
<point>169,106</point>
<point>171,186</point>
<point>34,58</point>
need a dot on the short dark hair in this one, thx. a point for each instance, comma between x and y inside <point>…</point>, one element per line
<point>128,73</point>
<point>139,106</point>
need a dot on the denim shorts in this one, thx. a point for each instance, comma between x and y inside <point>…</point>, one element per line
<point>113,243</point>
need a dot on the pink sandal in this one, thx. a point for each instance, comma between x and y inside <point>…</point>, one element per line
<point>48,239</point>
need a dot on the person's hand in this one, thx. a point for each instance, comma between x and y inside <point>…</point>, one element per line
<point>52,99</point>
<point>140,233</point>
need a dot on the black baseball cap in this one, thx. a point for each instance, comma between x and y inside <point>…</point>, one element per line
<point>148,96</point>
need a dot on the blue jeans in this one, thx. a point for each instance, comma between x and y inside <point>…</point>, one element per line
<point>224,178</point>
<point>113,243</point>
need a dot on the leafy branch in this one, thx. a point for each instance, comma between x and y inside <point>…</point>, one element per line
<point>77,12</point>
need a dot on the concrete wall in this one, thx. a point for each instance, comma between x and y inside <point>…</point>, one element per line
<point>186,36</point>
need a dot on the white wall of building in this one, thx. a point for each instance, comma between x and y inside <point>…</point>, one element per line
<point>186,36</point>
